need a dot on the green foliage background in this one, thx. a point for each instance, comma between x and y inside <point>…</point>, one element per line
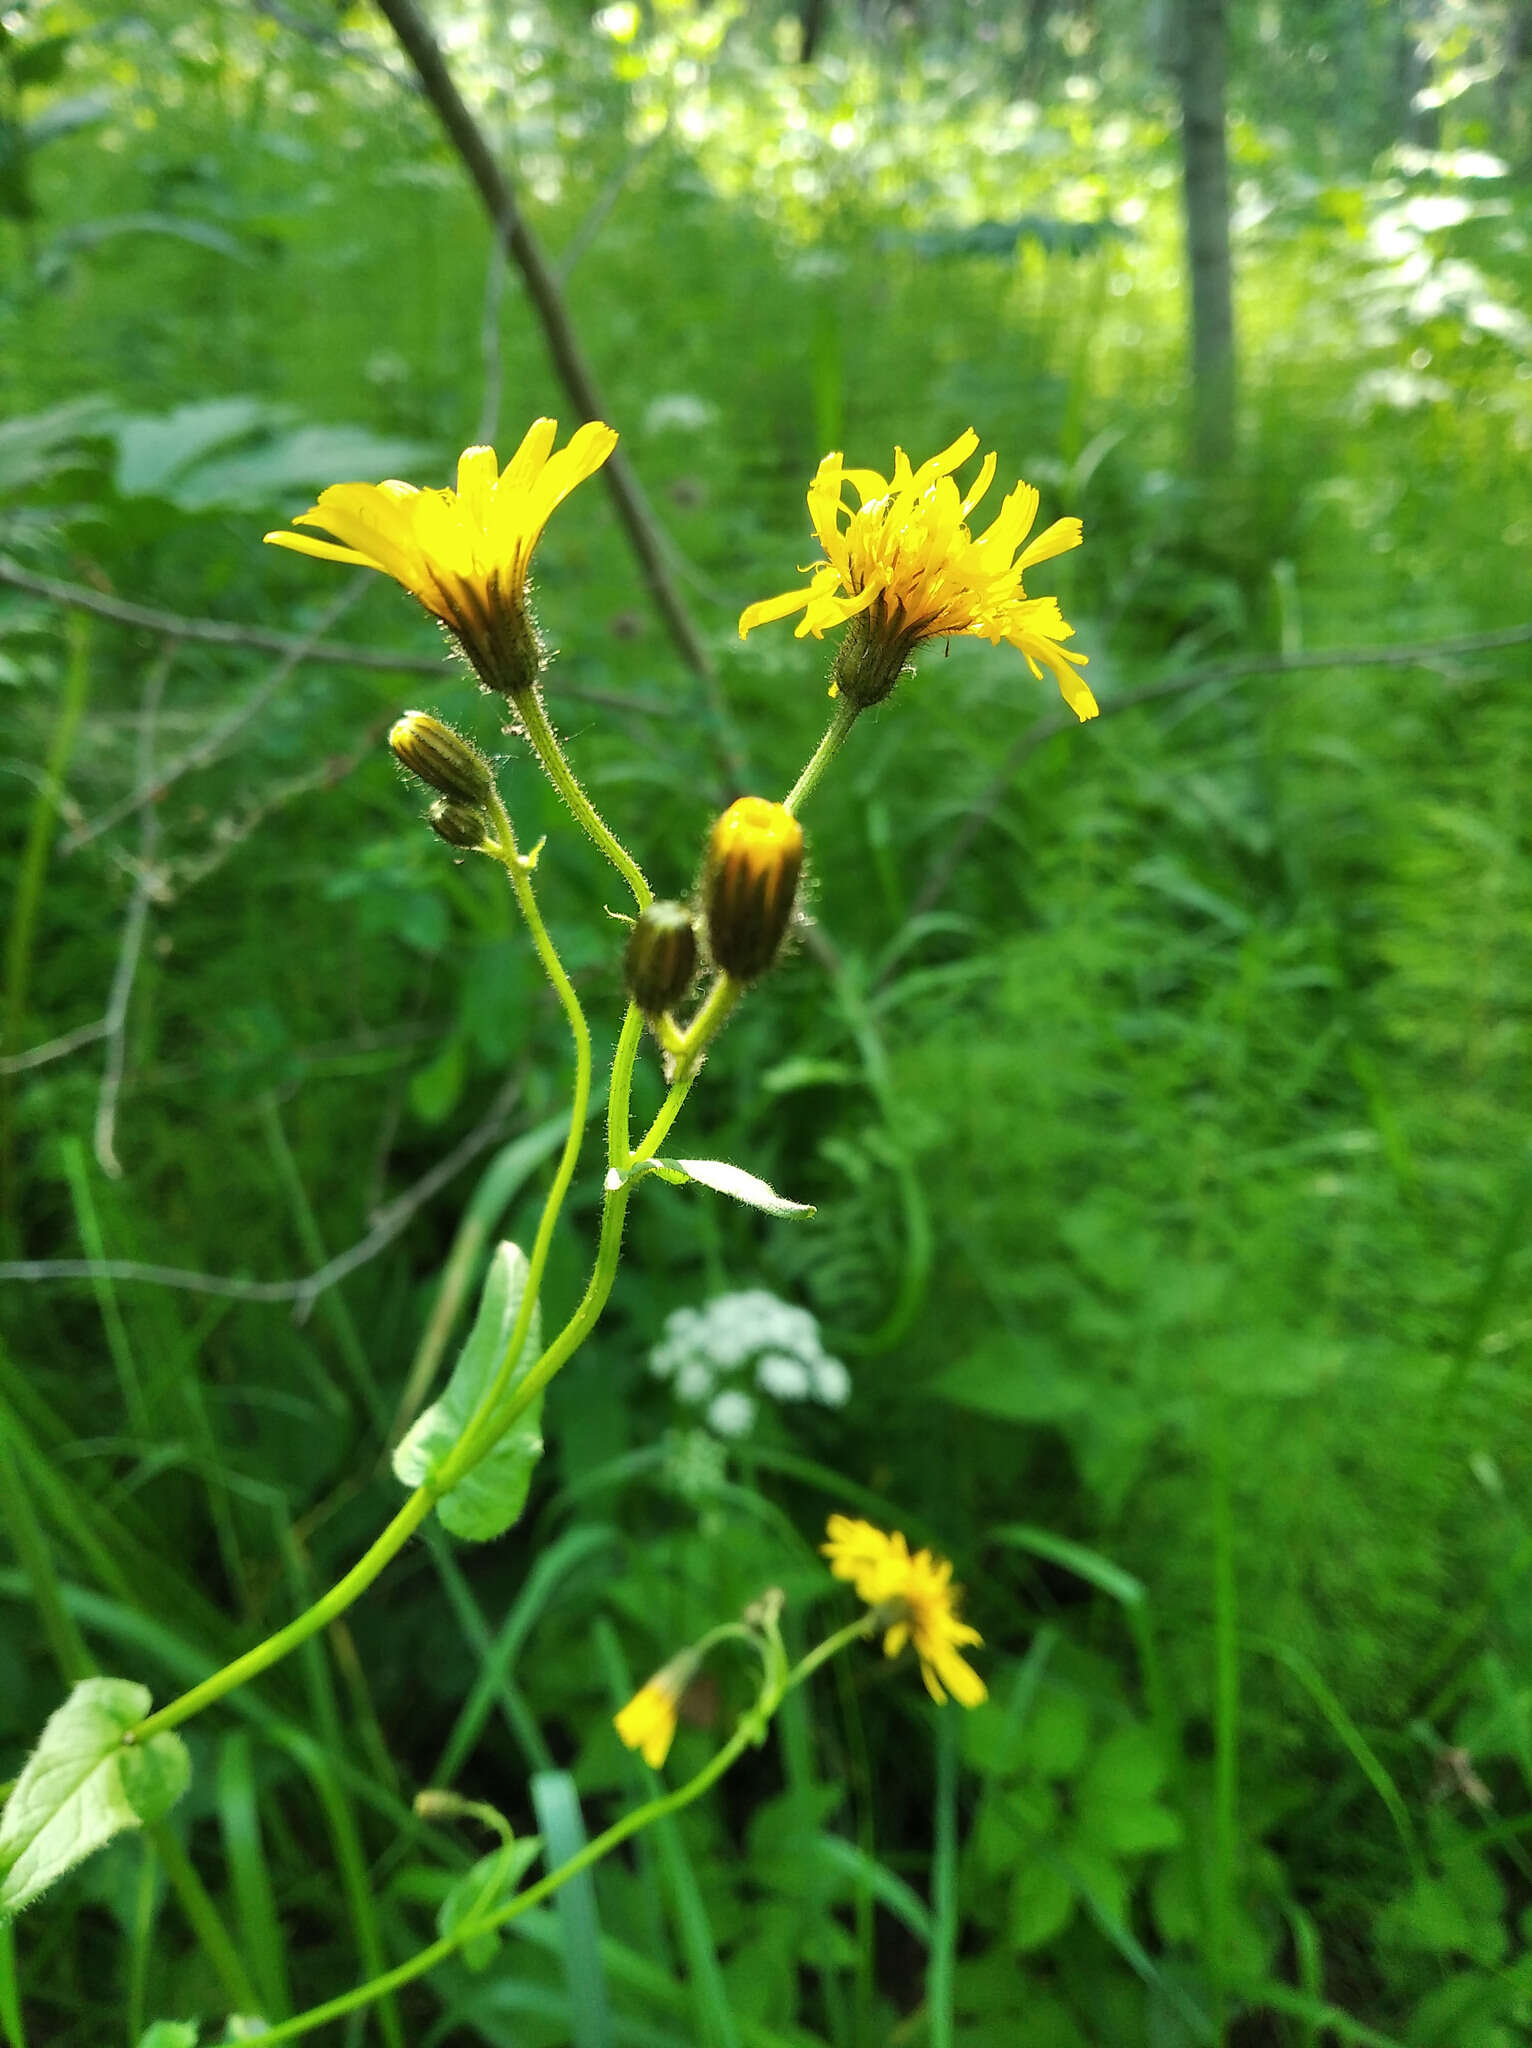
<point>1170,1144</point>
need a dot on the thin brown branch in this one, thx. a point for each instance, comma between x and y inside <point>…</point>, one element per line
<point>303,1292</point>
<point>1420,654</point>
<point>226,633</point>
<point>203,752</point>
<point>525,251</point>
<point>131,946</point>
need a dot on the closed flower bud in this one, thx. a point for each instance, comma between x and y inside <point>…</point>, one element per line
<point>754,858</point>
<point>661,957</point>
<point>442,758</point>
<point>458,824</point>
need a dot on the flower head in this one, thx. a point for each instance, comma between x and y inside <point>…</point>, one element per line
<point>903,567</point>
<point>648,1722</point>
<point>463,553</point>
<point>750,882</point>
<point>916,1596</point>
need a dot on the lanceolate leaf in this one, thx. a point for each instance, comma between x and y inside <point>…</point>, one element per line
<point>723,1178</point>
<point>81,1786</point>
<point>492,1495</point>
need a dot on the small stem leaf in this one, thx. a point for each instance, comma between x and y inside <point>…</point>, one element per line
<point>81,1786</point>
<point>491,1881</point>
<point>491,1495</point>
<point>717,1174</point>
<point>725,1179</point>
<point>171,2034</point>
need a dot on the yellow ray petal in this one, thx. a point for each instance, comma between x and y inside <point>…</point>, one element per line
<point>525,466</point>
<point>770,608</point>
<point>985,478</point>
<point>1056,539</point>
<point>477,474</point>
<point>326,550</point>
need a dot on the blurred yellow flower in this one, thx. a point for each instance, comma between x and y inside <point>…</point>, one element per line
<point>463,553</point>
<point>919,1599</point>
<point>904,568</point>
<point>648,1722</point>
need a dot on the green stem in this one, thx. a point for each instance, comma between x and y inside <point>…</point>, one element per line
<point>574,1333</point>
<point>688,1049</point>
<point>476,1438</point>
<point>619,1111</point>
<point>842,718</point>
<point>324,1610</point>
<point>545,745</point>
<point>750,1730</point>
<point>609,1246</point>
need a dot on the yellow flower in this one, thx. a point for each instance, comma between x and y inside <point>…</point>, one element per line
<point>918,1600</point>
<point>904,568</point>
<point>463,553</point>
<point>648,1722</point>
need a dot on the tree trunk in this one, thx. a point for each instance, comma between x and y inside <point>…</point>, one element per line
<point>1515,55</point>
<point>1200,65</point>
<point>1412,75</point>
<point>811,26</point>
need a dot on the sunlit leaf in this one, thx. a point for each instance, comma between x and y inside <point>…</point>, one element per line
<point>80,1787</point>
<point>489,1498</point>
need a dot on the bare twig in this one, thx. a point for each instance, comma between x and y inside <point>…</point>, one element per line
<point>188,872</point>
<point>525,251</point>
<point>225,633</point>
<point>130,948</point>
<point>213,742</point>
<point>1423,654</point>
<point>54,1048</point>
<point>304,1292</point>
<point>601,206</point>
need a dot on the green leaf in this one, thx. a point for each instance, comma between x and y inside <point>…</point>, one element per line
<point>435,1087</point>
<point>1100,1882</point>
<point>1129,1766</point>
<point>488,1499</point>
<point>1129,1827</point>
<point>1014,1822</point>
<point>38,63</point>
<point>154,1774</point>
<point>491,1881</point>
<point>1042,1902</point>
<point>170,2034</point>
<point>80,1787</point>
<point>1026,1380</point>
<point>1057,1734</point>
<point>723,1179</point>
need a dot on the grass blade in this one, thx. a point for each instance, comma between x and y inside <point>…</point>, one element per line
<point>559,1822</point>
<point>1089,1565</point>
<point>249,1873</point>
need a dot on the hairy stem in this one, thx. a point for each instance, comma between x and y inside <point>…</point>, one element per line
<point>545,745</point>
<point>842,718</point>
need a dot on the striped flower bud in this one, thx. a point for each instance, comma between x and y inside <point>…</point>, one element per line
<point>661,957</point>
<point>442,758</point>
<point>458,824</point>
<point>749,882</point>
